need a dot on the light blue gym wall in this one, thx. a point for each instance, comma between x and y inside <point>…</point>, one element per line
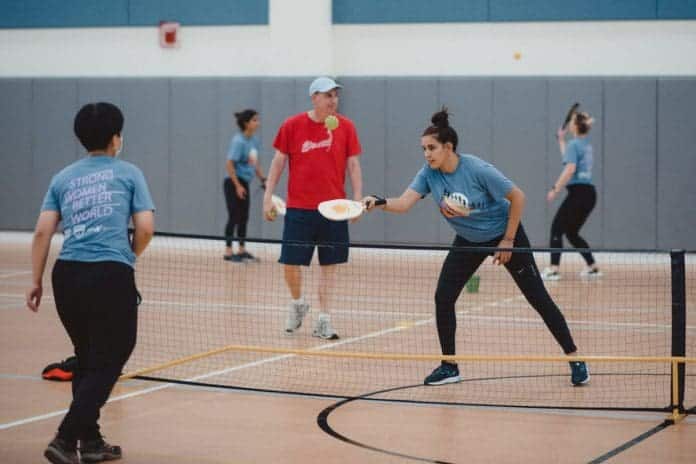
<point>178,130</point>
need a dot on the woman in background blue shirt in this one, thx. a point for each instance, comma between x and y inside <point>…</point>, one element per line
<point>581,199</point>
<point>241,165</point>
<point>484,208</point>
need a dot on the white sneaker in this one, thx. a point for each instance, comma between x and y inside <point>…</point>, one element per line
<point>296,312</point>
<point>550,274</point>
<point>324,330</point>
<point>590,273</point>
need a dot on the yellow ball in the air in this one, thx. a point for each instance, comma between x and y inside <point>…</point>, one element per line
<point>331,122</point>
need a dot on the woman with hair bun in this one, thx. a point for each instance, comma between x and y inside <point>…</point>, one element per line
<point>581,199</point>
<point>484,208</point>
<point>241,164</point>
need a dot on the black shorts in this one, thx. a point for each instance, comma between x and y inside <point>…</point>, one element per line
<point>309,227</point>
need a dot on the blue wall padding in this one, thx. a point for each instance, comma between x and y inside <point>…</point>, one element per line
<point>676,9</point>
<point>61,13</point>
<point>200,12</point>
<point>119,13</point>
<point>409,11</point>
<point>439,11</point>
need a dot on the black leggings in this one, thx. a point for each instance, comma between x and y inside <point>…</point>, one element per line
<point>460,265</point>
<point>97,304</point>
<point>572,214</point>
<point>237,212</point>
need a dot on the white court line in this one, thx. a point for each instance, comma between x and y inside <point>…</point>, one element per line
<point>248,309</point>
<point>13,274</point>
<point>49,415</point>
<point>219,307</point>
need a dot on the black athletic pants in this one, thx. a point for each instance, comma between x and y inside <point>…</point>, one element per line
<point>97,304</point>
<point>460,265</point>
<point>570,217</point>
<point>237,212</point>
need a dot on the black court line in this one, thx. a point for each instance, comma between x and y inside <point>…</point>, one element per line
<point>322,421</point>
<point>633,442</point>
<point>193,383</point>
<point>322,418</point>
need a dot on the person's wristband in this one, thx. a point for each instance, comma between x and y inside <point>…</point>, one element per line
<point>554,189</point>
<point>509,239</point>
<point>379,200</point>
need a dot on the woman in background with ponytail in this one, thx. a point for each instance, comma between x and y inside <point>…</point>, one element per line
<point>484,208</point>
<point>241,165</point>
<point>581,199</point>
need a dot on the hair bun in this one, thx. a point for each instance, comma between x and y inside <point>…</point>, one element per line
<point>441,118</point>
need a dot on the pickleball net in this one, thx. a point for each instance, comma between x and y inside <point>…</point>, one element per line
<point>207,321</point>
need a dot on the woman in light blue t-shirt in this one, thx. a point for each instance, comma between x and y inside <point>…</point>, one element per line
<point>484,208</point>
<point>582,196</point>
<point>93,279</point>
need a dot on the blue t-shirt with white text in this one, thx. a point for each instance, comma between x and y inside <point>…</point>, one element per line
<point>240,149</point>
<point>579,152</point>
<point>96,197</point>
<point>476,185</point>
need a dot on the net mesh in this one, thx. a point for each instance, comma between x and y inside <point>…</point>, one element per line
<point>382,303</point>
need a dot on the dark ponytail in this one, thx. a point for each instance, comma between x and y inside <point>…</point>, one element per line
<point>441,129</point>
<point>243,117</point>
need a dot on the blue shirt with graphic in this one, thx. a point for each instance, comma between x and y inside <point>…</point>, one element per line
<point>476,185</point>
<point>240,148</point>
<point>579,152</point>
<point>96,197</point>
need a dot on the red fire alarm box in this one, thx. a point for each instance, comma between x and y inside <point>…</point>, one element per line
<point>169,34</point>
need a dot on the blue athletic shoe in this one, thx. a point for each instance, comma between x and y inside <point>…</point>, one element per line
<point>579,373</point>
<point>445,373</point>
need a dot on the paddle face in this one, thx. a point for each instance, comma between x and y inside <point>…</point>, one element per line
<point>569,116</point>
<point>279,204</point>
<point>340,209</point>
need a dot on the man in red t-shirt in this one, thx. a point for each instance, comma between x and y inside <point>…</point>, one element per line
<point>319,153</point>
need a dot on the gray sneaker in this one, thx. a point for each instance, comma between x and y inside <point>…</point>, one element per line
<point>550,274</point>
<point>324,330</point>
<point>296,312</point>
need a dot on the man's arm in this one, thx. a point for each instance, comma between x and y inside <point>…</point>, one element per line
<point>274,173</point>
<point>355,174</point>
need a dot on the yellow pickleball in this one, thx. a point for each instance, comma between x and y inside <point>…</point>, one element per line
<point>331,122</point>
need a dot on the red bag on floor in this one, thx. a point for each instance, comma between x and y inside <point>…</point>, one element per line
<point>60,371</point>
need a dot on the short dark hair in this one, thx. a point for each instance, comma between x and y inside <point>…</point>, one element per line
<point>243,117</point>
<point>441,129</point>
<point>96,124</point>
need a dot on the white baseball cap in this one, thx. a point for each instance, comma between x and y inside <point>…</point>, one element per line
<point>323,84</point>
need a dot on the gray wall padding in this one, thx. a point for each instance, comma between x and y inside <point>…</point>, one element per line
<point>178,131</point>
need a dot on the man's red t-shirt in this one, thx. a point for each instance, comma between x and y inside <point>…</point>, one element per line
<point>317,158</point>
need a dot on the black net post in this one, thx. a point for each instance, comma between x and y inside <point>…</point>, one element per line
<point>678,266</point>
